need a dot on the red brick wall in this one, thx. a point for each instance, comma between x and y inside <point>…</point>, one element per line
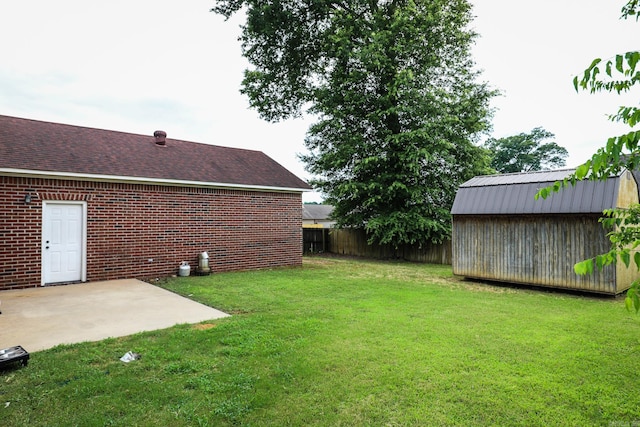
<point>146,231</point>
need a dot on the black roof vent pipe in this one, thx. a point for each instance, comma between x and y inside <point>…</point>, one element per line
<point>161,137</point>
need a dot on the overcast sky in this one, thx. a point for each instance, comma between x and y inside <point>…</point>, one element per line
<point>138,66</point>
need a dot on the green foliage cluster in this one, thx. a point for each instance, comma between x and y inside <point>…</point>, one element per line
<point>526,152</point>
<point>617,74</point>
<point>631,8</point>
<point>625,65</point>
<point>395,95</point>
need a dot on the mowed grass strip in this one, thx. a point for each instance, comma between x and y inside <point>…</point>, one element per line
<point>344,342</point>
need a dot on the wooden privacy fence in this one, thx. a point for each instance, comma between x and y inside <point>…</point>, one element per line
<point>353,242</point>
<point>315,240</point>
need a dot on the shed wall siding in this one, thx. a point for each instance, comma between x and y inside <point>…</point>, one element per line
<point>128,225</point>
<point>627,190</point>
<point>627,196</point>
<point>532,249</point>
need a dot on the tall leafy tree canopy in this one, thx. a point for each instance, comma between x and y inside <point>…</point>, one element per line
<point>392,85</point>
<point>526,152</point>
<point>618,74</point>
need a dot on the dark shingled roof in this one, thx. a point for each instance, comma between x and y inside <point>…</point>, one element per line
<point>311,211</point>
<point>42,147</point>
<point>515,194</point>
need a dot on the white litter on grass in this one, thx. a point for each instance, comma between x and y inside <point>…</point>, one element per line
<point>130,356</point>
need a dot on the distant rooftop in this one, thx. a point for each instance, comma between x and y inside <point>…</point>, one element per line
<point>316,212</point>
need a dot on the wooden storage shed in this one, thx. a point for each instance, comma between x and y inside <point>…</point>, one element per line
<point>501,233</point>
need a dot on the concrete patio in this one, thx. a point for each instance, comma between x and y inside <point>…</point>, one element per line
<point>43,317</point>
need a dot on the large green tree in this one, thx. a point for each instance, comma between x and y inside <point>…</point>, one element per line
<point>394,91</point>
<point>617,74</point>
<point>526,152</point>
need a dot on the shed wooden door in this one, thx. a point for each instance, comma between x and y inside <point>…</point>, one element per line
<point>63,242</point>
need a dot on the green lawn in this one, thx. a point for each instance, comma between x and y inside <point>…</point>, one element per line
<point>343,342</point>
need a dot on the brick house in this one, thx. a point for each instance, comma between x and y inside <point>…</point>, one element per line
<point>80,204</point>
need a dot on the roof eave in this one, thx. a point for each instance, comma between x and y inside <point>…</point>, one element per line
<point>26,173</point>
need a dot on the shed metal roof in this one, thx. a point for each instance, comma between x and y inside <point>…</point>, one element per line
<point>518,178</point>
<point>511,194</point>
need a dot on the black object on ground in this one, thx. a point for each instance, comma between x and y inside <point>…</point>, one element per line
<point>14,354</point>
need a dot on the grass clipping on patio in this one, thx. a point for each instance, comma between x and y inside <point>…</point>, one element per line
<point>353,343</point>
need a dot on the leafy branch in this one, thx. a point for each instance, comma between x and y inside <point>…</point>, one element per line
<point>625,65</point>
<point>617,74</point>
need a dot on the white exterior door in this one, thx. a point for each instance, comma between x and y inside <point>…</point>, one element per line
<point>63,242</point>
